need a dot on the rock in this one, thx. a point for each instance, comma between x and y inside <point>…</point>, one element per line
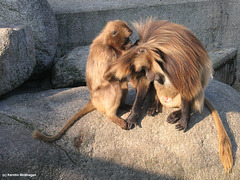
<point>17,56</point>
<point>224,64</point>
<point>96,148</point>
<point>70,70</point>
<point>21,155</point>
<point>39,15</point>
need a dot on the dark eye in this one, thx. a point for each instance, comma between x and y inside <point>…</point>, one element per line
<point>114,32</point>
<point>142,50</point>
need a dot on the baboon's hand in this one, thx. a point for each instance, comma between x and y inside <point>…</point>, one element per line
<point>132,120</point>
<point>182,124</point>
<point>131,124</point>
<point>176,116</point>
<point>124,126</point>
<point>154,108</point>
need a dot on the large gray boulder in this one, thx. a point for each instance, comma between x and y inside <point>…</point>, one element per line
<point>224,64</point>
<point>39,15</point>
<point>70,70</point>
<point>95,148</point>
<point>17,56</point>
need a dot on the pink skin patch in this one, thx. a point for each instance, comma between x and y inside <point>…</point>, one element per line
<point>166,99</point>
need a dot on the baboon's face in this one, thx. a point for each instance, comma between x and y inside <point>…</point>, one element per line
<point>146,59</point>
<point>119,35</point>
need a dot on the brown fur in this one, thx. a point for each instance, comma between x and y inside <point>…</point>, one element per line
<point>181,68</point>
<point>168,97</point>
<point>181,53</point>
<point>106,97</point>
<point>225,146</point>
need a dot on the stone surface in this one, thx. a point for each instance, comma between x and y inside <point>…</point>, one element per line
<point>39,15</point>
<point>216,23</point>
<point>17,55</point>
<point>78,29</point>
<point>20,154</point>
<point>95,148</point>
<point>70,70</point>
<point>224,64</point>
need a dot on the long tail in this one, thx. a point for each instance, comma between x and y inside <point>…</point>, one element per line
<point>225,146</point>
<point>86,109</point>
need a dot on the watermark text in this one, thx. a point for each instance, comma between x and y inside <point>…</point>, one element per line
<point>18,175</point>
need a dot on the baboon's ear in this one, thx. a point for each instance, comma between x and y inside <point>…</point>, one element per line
<point>114,32</point>
<point>141,50</point>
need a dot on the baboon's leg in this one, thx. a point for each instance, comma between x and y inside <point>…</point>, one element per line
<point>142,90</point>
<point>107,99</point>
<point>181,116</point>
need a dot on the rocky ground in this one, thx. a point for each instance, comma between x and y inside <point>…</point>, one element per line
<point>44,44</point>
<point>95,148</point>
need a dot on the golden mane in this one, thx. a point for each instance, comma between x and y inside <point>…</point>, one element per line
<point>183,54</point>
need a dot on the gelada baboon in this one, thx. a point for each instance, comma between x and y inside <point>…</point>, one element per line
<point>170,56</point>
<point>106,97</point>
